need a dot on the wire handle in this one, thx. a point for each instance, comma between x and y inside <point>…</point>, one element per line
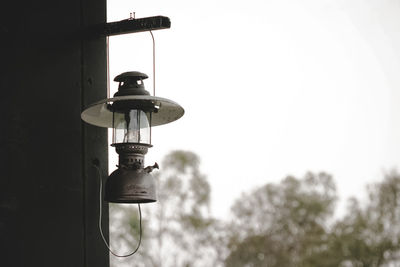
<point>100,224</point>
<point>154,64</point>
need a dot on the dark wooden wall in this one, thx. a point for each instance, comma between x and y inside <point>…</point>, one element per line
<point>48,186</point>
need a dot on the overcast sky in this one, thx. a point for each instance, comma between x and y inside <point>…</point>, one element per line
<point>272,88</point>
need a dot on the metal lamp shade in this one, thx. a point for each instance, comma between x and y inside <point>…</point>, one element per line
<point>101,113</point>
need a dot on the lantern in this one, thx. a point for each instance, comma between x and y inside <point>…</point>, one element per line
<point>131,113</point>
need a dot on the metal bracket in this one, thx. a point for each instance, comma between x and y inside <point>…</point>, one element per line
<point>136,25</point>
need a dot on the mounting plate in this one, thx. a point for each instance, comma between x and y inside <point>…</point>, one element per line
<point>136,25</point>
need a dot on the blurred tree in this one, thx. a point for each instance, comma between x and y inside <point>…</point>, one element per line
<point>178,228</point>
<point>124,236</point>
<point>287,225</point>
<point>282,224</point>
<point>369,235</point>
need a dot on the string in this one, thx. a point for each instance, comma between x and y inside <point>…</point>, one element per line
<point>100,224</point>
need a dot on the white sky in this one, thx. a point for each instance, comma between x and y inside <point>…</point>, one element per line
<point>272,88</point>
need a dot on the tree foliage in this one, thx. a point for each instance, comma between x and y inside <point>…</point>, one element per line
<point>280,225</point>
<point>370,235</point>
<point>290,223</point>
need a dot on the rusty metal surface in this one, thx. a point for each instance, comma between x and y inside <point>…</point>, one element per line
<point>131,182</point>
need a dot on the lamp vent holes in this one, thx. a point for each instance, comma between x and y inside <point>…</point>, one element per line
<point>131,160</point>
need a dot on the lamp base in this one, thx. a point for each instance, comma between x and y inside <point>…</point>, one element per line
<point>130,186</point>
<point>131,182</point>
